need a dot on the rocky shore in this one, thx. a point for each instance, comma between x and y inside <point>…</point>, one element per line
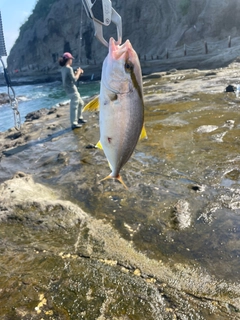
<point>74,248</point>
<point>216,59</point>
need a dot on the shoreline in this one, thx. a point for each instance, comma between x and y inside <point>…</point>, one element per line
<point>93,72</point>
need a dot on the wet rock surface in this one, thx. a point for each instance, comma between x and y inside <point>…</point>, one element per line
<point>69,265</point>
<point>168,248</point>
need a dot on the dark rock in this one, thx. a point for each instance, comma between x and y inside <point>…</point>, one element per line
<point>197,188</point>
<point>53,126</point>
<point>4,98</point>
<point>62,158</point>
<point>52,110</point>
<point>36,114</point>
<point>21,174</point>
<point>90,146</point>
<point>15,135</point>
<point>230,88</point>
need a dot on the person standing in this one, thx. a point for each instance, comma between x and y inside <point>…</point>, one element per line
<point>69,79</point>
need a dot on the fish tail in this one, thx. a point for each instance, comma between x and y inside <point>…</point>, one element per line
<point>119,178</point>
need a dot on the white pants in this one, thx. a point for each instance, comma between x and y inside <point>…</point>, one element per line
<point>76,105</point>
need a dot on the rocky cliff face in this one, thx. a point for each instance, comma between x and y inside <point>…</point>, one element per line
<point>152,26</point>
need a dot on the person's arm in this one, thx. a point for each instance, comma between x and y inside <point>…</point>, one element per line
<point>78,73</point>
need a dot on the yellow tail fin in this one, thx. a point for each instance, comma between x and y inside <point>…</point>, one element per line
<point>119,178</point>
<point>92,105</point>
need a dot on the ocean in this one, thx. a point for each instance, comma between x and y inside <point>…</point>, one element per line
<point>38,96</point>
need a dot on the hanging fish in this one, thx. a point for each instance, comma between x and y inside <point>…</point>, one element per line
<point>121,106</point>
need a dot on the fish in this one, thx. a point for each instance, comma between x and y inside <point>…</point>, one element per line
<point>121,106</point>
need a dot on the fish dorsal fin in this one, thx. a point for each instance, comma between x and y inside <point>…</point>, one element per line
<point>92,105</point>
<point>99,145</point>
<point>143,134</point>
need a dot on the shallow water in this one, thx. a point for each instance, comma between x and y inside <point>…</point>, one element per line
<point>38,96</point>
<point>192,155</point>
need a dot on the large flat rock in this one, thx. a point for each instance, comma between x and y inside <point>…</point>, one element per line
<point>168,248</point>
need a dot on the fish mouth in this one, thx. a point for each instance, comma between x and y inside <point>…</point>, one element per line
<point>118,52</point>
<point>121,68</point>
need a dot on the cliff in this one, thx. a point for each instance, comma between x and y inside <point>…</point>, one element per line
<point>152,26</point>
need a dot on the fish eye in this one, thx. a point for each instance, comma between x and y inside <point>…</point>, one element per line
<point>128,66</point>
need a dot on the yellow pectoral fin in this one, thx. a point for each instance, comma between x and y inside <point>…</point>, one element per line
<point>99,145</point>
<point>109,165</point>
<point>143,134</point>
<point>92,105</point>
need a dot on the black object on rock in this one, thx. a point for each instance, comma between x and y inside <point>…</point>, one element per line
<point>230,88</point>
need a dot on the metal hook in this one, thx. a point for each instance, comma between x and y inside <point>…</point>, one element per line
<point>102,14</point>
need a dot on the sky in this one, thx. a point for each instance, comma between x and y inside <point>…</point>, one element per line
<point>14,13</point>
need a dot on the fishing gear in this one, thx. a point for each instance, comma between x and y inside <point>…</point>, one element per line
<point>102,14</point>
<point>11,92</point>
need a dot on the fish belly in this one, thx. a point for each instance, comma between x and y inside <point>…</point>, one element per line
<point>121,123</point>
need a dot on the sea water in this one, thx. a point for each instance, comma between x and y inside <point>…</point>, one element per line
<point>34,97</point>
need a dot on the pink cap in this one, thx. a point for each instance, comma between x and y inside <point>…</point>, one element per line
<point>67,55</point>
